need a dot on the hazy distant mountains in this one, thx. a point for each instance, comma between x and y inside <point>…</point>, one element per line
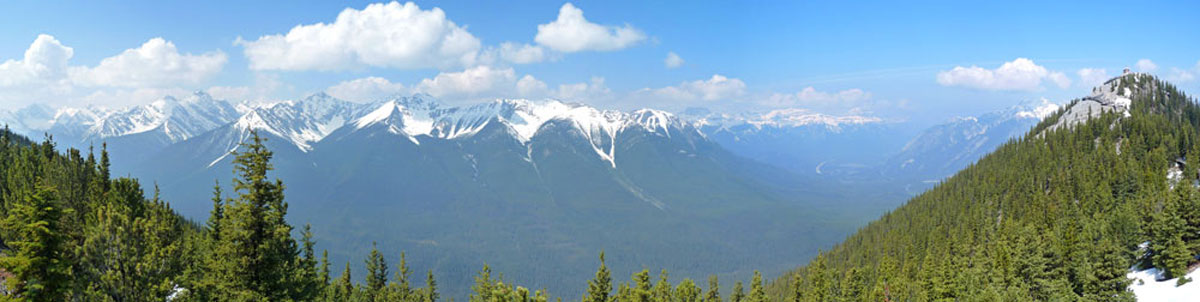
<point>514,182</point>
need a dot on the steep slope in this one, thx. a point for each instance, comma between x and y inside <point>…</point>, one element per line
<point>515,182</point>
<point>942,150</point>
<point>1057,215</point>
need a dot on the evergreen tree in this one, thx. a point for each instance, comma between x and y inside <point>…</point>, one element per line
<point>601,285</point>
<point>256,256</point>
<point>756,289</point>
<point>40,267</point>
<point>662,289</point>
<point>376,273</point>
<point>431,293</point>
<point>687,291</point>
<point>713,294</point>
<point>738,293</point>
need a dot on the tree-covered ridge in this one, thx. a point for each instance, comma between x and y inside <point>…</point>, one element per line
<point>1060,215</point>
<point>72,234</point>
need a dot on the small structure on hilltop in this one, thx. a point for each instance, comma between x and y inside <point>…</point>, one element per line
<point>1126,71</point>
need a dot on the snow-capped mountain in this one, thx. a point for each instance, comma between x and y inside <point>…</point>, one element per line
<point>546,173</point>
<point>802,141</point>
<point>943,150</point>
<point>171,119</point>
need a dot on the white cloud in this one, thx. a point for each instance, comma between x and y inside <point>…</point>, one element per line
<point>571,32</point>
<point>365,89</point>
<point>156,68</point>
<point>1180,75</point>
<point>381,35</point>
<point>521,54</point>
<point>811,97</point>
<point>673,60</point>
<point>157,63</point>
<point>45,60</point>
<point>1091,77</point>
<point>1020,74</point>
<point>1145,65</point>
<point>593,91</point>
<point>473,81</point>
<point>716,88</point>
<point>530,86</point>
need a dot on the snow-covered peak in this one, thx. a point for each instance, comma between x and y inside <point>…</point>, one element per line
<point>794,117</point>
<point>1038,111</point>
<point>655,120</point>
<point>778,118</point>
<point>398,119</point>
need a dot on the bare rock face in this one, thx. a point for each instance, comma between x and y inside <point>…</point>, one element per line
<point>1114,95</point>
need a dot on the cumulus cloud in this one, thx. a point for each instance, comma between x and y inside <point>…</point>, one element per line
<point>718,87</point>
<point>521,54</point>
<point>1091,77</point>
<point>473,81</point>
<point>595,90</point>
<point>1020,74</point>
<point>45,60</point>
<point>45,75</point>
<point>157,63</point>
<point>365,89</point>
<point>1145,65</point>
<point>380,35</point>
<point>811,97</point>
<point>673,60</point>
<point>571,32</point>
<point>530,86</point>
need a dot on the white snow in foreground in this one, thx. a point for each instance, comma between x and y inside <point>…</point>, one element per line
<point>1147,289</point>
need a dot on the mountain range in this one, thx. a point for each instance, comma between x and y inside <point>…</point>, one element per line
<point>518,181</point>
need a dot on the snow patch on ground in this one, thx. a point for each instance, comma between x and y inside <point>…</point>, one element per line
<point>1146,288</point>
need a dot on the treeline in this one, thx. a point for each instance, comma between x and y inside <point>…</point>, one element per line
<point>1058,215</point>
<point>70,232</point>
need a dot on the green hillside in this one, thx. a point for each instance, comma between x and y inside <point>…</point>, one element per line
<point>1055,216</point>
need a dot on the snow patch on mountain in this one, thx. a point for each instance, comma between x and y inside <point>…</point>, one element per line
<point>1114,95</point>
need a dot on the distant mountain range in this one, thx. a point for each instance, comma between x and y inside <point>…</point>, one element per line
<point>538,181</point>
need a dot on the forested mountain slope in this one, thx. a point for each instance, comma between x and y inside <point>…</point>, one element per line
<point>1103,185</point>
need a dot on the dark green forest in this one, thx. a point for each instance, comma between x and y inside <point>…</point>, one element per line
<point>1058,215</point>
<point>71,232</point>
<point>1061,214</point>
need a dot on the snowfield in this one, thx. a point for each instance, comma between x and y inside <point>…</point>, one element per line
<point>1147,289</point>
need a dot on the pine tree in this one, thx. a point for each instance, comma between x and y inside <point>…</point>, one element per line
<point>713,294</point>
<point>662,289</point>
<point>687,291</point>
<point>256,257</point>
<point>601,285</point>
<point>756,289</point>
<point>642,291</point>
<point>376,273</point>
<point>431,293</point>
<point>483,285</point>
<point>402,288</point>
<point>738,293</point>
<point>39,264</point>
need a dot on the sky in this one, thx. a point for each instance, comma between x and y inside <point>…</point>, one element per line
<point>915,61</point>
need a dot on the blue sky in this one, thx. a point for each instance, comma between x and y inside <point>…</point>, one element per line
<point>889,59</point>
